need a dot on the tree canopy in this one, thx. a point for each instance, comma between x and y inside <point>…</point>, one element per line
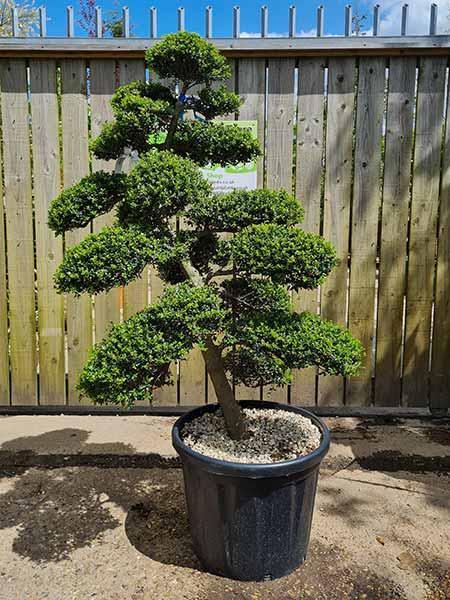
<point>230,260</point>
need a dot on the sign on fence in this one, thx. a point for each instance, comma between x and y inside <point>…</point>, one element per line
<point>244,177</point>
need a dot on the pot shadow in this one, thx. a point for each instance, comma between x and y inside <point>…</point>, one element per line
<point>59,502</point>
<point>159,528</point>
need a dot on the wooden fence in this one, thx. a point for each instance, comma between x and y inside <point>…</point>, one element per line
<point>357,130</point>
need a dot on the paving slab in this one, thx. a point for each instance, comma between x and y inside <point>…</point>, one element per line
<point>93,507</point>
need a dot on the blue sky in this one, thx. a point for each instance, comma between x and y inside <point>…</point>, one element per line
<point>250,15</point>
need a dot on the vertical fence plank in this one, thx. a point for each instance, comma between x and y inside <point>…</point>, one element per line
<point>440,372</point>
<point>231,85</point>
<point>279,146</point>
<point>394,230</point>
<point>19,227</point>
<point>4,342</point>
<point>308,189</point>
<point>75,166</point>
<point>135,296</point>
<point>251,84</point>
<point>366,205</point>
<point>422,245</point>
<point>49,250</point>
<point>336,217</point>
<point>102,86</point>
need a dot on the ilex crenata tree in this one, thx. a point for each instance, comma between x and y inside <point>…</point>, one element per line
<point>230,260</point>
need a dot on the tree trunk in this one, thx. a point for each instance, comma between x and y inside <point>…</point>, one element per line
<point>232,412</point>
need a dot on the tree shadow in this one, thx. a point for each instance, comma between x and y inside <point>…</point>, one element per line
<point>58,507</point>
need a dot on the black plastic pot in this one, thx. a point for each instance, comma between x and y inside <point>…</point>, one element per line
<point>250,521</point>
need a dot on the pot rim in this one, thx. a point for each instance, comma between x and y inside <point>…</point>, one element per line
<point>251,470</point>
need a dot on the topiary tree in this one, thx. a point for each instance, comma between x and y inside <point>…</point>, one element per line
<point>168,217</point>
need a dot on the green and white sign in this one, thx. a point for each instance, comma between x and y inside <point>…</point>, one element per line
<point>226,179</point>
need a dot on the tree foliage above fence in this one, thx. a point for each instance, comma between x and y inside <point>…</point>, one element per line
<point>163,191</point>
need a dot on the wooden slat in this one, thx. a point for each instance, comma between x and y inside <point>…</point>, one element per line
<point>366,204</point>
<point>397,173</point>
<point>440,372</point>
<point>4,342</point>
<point>136,294</point>
<point>19,227</point>
<point>310,105</point>
<point>75,166</point>
<point>422,245</point>
<point>252,89</point>
<point>336,218</point>
<point>49,250</point>
<point>279,147</point>
<point>231,85</point>
<point>102,86</point>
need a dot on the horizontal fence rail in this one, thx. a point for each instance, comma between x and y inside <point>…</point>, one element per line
<point>355,127</point>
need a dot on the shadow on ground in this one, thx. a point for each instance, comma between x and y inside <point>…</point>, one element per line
<point>57,507</point>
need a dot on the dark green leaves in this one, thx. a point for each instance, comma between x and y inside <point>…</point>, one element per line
<point>278,342</point>
<point>123,368</point>
<point>216,143</point>
<point>94,195</point>
<point>233,211</point>
<point>112,257</point>
<point>286,255</point>
<point>188,58</point>
<point>212,103</point>
<point>160,186</point>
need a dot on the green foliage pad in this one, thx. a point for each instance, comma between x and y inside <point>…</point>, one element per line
<point>229,260</point>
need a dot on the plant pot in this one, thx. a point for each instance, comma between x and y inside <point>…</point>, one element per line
<point>250,521</point>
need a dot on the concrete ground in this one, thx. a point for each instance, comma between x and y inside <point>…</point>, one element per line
<point>93,508</point>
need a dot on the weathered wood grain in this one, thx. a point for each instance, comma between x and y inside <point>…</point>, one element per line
<point>422,244</point>
<point>135,294</point>
<point>74,116</point>
<point>251,84</point>
<point>19,224</point>
<point>440,371</point>
<point>366,206</point>
<point>4,341</point>
<point>102,76</point>
<point>394,229</point>
<point>49,249</point>
<point>308,189</point>
<point>337,203</point>
<point>279,146</point>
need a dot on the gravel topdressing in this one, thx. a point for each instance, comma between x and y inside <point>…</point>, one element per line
<point>273,436</point>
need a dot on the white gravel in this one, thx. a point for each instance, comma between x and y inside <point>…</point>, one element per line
<point>273,436</point>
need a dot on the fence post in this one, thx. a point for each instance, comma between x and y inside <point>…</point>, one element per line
<point>320,21</point>
<point>236,22</point>
<point>264,21</point>
<point>181,19</point>
<point>153,22</point>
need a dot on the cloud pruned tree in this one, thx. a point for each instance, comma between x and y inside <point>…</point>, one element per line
<point>244,324</point>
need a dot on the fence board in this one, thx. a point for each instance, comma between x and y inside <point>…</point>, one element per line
<point>366,204</point>
<point>337,204</point>
<point>251,86</point>
<point>308,189</point>
<point>74,117</point>
<point>49,250</point>
<point>19,226</point>
<point>440,375</point>
<point>397,173</point>
<point>4,342</point>
<point>102,86</point>
<point>279,157</point>
<point>422,246</point>
<point>135,295</point>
